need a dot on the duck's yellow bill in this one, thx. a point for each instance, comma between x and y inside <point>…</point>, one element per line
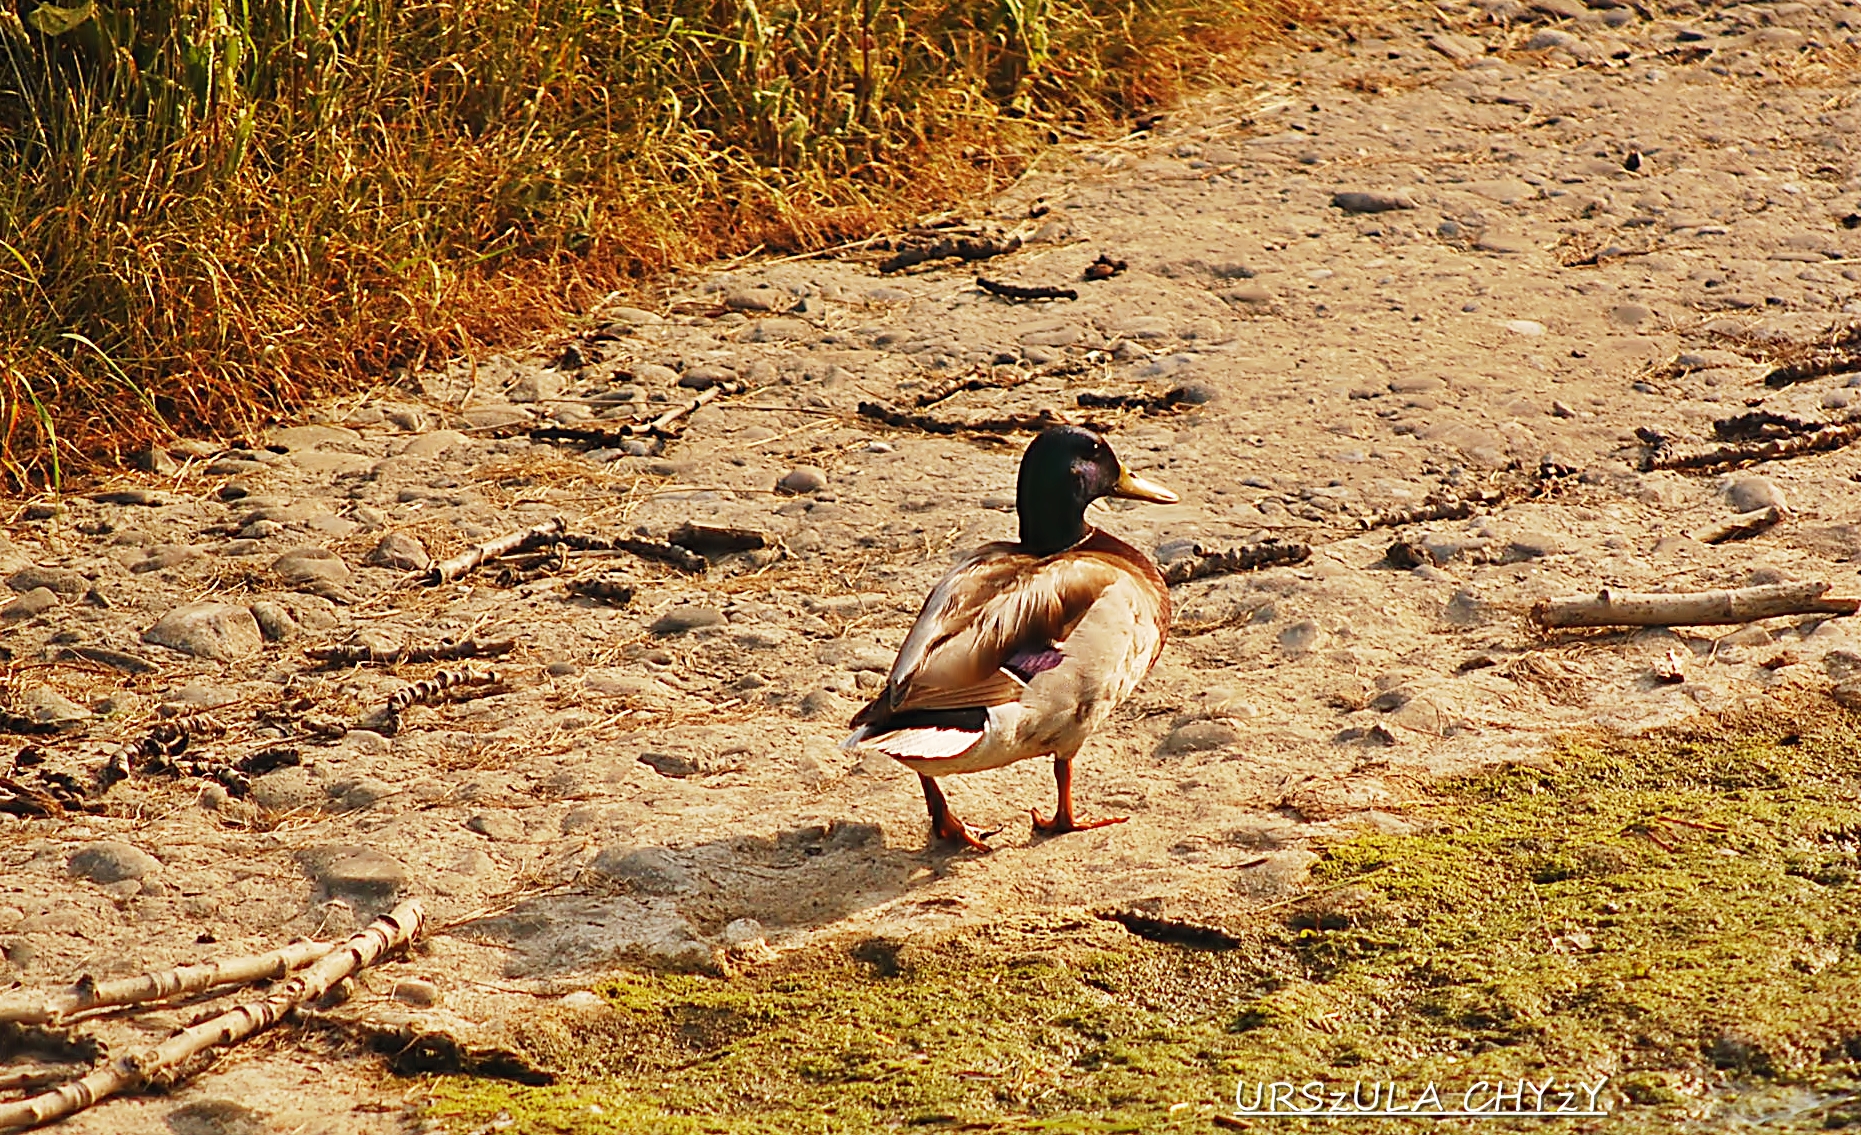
<point>1132,487</point>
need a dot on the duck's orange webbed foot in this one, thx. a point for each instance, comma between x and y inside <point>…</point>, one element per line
<point>1063,820</point>
<point>944,822</point>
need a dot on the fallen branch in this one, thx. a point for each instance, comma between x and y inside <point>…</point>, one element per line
<point>356,654</point>
<point>918,248</point>
<point>660,426</point>
<point>602,589</point>
<point>158,985</point>
<point>1022,293</point>
<point>715,539</point>
<point>1694,608</point>
<point>1740,526</point>
<point>1148,403</point>
<point>391,932</point>
<point>683,559</point>
<point>1762,425</point>
<point>1440,506</point>
<point>1202,562</point>
<point>1838,357</point>
<point>990,381</point>
<point>448,570</point>
<point>1746,453</point>
<point>1014,423</point>
<point>445,685</point>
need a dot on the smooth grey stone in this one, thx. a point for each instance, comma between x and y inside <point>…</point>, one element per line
<point>65,581</point>
<point>1299,637</point>
<point>652,870</point>
<point>400,551</point>
<point>287,790</point>
<point>706,376</point>
<point>109,861</point>
<point>803,479</point>
<point>416,991</point>
<point>49,707</point>
<point>1360,201</point>
<point>361,793</point>
<point>311,563</point>
<point>219,631</point>
<point>368,879</point>
<point>34,602</point>
<point>1750,494</point>
<point>656,374</point>
<point>536,386</point>
<point>681,619</point>
<point>754,299</point>
<point>1200,736</point>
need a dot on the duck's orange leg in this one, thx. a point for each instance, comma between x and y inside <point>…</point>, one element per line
<point>944,823</point>
<point>1063,820</point>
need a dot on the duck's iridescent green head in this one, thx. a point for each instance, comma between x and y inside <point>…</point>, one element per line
<point>1064,470</point>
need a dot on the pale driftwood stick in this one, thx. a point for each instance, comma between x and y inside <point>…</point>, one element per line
<point>1740,526</point>
<point>355,654</point>
<point>447,570</point>
<point>39,1076</point>
<point>664,421</point>
<point>1690,608</point>
<point>158,985</point>
<point>385,934</point>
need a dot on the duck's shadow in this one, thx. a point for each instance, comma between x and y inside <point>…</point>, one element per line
<point>680,907</point>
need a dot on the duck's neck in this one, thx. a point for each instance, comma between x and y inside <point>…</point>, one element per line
<point>1050,523</point>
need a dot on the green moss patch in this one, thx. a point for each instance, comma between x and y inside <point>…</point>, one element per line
<point>1678,913</point>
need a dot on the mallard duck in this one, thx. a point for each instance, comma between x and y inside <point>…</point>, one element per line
<point>1025,648</point>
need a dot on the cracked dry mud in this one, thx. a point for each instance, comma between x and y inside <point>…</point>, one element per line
<point>1567,223</point>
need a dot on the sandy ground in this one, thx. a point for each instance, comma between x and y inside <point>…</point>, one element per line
<point>1592,221</point>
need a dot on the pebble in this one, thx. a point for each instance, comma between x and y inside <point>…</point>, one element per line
<point>416,991</point>
<point>34,602</point>
<point>584,1001</point>
<point>219,631</point>
<point>309,564</point>
<point>64,581</point>
<point>1200,736</point>
<point>1529,328</point>
<point>109,861</point>
<point>366,878</point>
<point>1360,201</point>
<point>802,479</point>
<point>49,707</point>
<point>705,377</point>
<point>274,622</point>
<point>400,551</point>
<point>681,619</point>
<point>1750,494</point>
<point>1300,637</point>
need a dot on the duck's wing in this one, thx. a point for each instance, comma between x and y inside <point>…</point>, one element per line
<point>989,626</point>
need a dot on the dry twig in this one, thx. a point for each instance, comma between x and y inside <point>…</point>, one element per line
<point>1693,608</point>
<point>357,654</point>
<point>1202,562</point>
<point>1661,456</point>
<point>1022,293</point>
<point>158,985</point>
<point>385,934</point>
<point>448,570</point>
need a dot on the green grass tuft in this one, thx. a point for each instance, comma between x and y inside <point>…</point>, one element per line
<point>1679,913</point>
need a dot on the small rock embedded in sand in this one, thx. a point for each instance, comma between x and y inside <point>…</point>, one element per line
<point>109,861</point>
<point>681,619</point>
<point>416,991</point>
<point>368,879</point>
<point>310,563</point>
<point>1200,736</point>
<point>802,479</point>
<point>399,551</point>
<point>1360,201</point>
<point>34,602</point>
<point>1752,494</point>
<point>219,631</point>
<point>274,622</point>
